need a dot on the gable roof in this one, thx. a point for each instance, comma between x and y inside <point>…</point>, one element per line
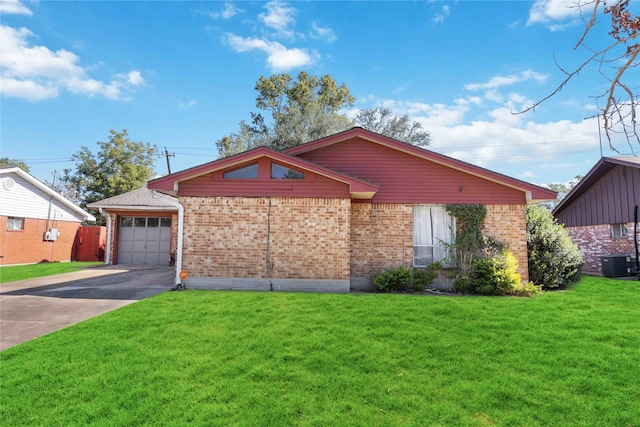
<point>597,172</point>
<point>533,192</point>
<point>359,188</point>
<point>84,215</point>
<point>140,199</point>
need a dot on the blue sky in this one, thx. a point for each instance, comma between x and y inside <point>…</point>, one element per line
<point>181,75</point>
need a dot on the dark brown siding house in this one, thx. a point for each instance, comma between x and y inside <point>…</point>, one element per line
<point>599,212</point>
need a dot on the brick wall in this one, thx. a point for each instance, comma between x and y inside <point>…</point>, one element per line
<point>174,235</point>
<point>595,241</point>
<point>289,238</point>
<point>508,224</point>
<point>27,246</point>
<point>381,237</point>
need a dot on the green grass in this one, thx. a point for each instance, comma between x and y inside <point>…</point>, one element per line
<point>31,271</point>
<point>564,358</point>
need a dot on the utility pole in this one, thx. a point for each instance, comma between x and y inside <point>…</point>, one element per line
<point>167,155</point>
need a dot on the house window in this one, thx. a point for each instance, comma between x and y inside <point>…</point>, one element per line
<point>15,223</point>
<point>433,229</point>
<point>246,172</point>
<point>619,230</point>
<point>282,172</point>
<point>126,221</point>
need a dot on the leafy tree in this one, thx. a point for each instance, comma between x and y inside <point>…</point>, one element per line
<point>554,260</point>
<point>121,165</point>
<point>66,188</point>
<point>309,108</point>
<point>615,61</point>
<point>382,120</point>
<point>5,162</point>
<point>562,188</point>
<point>301,110</point>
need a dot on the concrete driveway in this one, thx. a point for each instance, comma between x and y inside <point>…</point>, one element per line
<point>35,307</point>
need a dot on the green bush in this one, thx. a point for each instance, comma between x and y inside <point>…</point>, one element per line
<point>462,284</point>
<point>395,280</point>
<point>554,260</point>
<point>403,278</point>
<point>527,289</point>
<point>422,278</point>
<point>497,275</point>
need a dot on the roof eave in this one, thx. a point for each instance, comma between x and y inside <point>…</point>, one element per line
<point>356,185</point>
<point>132,208</point>
<point>84,215</point>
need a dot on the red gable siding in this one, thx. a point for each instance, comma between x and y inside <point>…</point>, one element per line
<point>404,178</point>
<point>214,184</point>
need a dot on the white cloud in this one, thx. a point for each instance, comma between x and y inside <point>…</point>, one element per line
<point>228,12</point>
<point>279,17</point>
<point>552,11</point>
<point>499,81</point>
<point>279,57</point>
<point>187,104</point>
<point>485,132</point>
<point>14,7</point>
<point>35,72</point>
<point>134,78</point>
<point>322,33</point>
<point>29,90</point>
<point>442,14</point>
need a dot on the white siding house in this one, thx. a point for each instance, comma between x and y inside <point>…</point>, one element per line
<point>36,223</point>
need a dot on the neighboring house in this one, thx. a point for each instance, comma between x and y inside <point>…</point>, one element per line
<point>598,212</point>
<point>37,224</point>
<point>324,215</point>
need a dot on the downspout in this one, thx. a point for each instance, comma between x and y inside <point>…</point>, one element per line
<point>635,234</point>
<point>177,204</point>
<point>107,250</point>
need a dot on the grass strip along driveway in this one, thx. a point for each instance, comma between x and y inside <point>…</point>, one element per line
<point>278,359</point>
<point>31,271</point>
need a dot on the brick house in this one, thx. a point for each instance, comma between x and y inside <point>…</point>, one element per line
<point>323,215</point>
<point>36,223</point>
<point>598,212</point>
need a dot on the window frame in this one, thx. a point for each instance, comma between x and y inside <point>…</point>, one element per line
<point>443,233</point>
<point>287,168</point>
<point>225,174</point>
<point>619,230</point>
<point>11,220</point>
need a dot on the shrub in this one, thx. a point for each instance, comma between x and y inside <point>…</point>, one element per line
<point>527,289</point>
<point>463,284</point>
<point>422,278</point>
<point>395,280</point>
<point>554,260</point>
<point>402,278</point>
<point>496,275</point>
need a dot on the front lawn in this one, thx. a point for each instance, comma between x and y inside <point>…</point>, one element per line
<point>31,271</point>
<point>279,359</point>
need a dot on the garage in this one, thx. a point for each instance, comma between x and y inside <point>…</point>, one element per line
<point>144,240</point>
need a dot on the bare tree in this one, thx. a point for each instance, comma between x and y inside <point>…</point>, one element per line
<point>618,104</point>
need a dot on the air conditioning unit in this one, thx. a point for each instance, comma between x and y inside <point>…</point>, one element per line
<point>51,235</point>
<point>616,265</point>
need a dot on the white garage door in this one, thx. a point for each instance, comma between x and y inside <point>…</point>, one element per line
<point>144,240</point>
